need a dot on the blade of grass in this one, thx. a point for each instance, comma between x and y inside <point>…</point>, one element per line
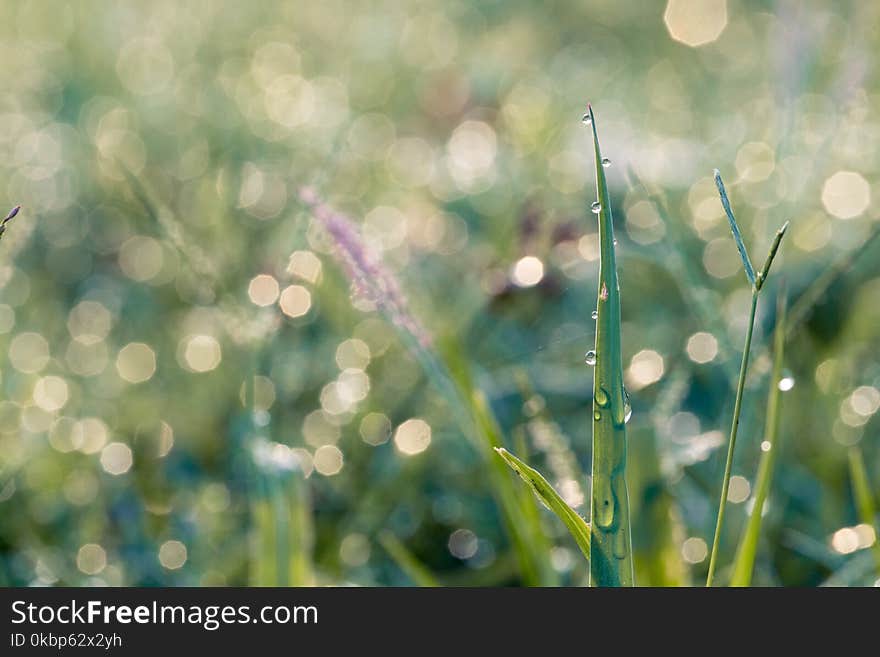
<point>407,561</point>
<point>9,217</point>
<point>610,540</point>
<point>757,284</point>
<point>744,563</point>
<point>864,496</point>
<point>577,526</point>
<point>734,228</point>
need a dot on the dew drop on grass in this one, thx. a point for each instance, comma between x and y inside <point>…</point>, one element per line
<point>597,416</point>
<point>615,241</point>
<point>596,207</point>
<point>595,314</point>
<point>586,120</point>
<point>627,407</point>
<point>786,383</point>
<point>601,397</point>
<point>590,357</point>
<point>606,162</point>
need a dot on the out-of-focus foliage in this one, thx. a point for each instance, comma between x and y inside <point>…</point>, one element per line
<point>192,394</point>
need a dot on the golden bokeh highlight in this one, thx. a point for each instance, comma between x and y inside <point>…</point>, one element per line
<point>695,22</point>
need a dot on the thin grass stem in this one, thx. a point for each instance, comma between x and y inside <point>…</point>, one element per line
<point>744,563</point>
<point>757,281</point>
<point>734,428</point>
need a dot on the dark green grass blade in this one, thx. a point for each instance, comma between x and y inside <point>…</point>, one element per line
<point>542,489</point>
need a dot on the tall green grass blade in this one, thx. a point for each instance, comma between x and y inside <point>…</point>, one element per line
<point>757,284</point>
<point>734,228</point>
<point>407,561</point>
<point>864,496</point>
<point>744,563</point>
<point>518,512</point>
<point>610,541</point>
<point>579,528</point>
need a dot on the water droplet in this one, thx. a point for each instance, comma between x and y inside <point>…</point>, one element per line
<point>597,416</point>
<point>601,397</point>
<point>627,411</point>
<point>615,241</point>
<point>606,162</point>
<point>786,383</point>
<point>603,511</point>
<point>596,207</point>
<point>586,119</point>
<point>590,357</point>
<point>595,314</point>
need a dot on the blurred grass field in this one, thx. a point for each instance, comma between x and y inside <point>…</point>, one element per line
<point>192,392</point>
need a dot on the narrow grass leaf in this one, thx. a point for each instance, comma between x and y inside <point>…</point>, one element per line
<point>610,541</point>
<point>737,236</point>
<point>744,563</point>
<point>542,489</point>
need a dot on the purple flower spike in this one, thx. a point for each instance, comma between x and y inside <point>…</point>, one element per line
<point>369,277</point>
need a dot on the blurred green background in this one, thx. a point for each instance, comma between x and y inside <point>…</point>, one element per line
<point>194,394</point>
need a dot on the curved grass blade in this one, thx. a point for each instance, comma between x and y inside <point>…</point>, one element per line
<point>542,489</point>
<point>610,537</point>
<point>744,563</point>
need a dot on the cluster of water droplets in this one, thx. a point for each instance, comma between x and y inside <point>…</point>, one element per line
<point>590,356</point>
<point>601,397</point>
